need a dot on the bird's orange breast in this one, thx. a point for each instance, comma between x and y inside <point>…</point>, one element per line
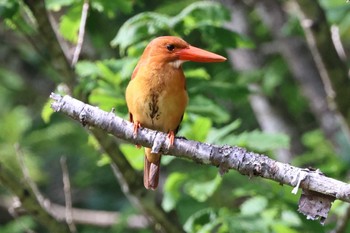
<point>157,97</point>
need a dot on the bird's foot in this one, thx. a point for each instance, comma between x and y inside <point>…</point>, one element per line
<point>171,136</point>
<point>137,125</point>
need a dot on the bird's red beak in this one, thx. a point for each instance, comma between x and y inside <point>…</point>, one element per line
<point>195,54</point>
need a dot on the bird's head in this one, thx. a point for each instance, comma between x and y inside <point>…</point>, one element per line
<point>175,51</point>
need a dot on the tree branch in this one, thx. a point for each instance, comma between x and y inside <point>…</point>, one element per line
<point>224,157</point>
<point>81,34</point>
<point>67,195</point>
<point>30,202</point>
<point>81,216</point>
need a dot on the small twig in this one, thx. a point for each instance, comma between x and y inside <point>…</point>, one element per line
<point>337,42</point>
<point>81,34</point>
<point>27,178</point>
<point>29,181</point>
<point>67,195</point>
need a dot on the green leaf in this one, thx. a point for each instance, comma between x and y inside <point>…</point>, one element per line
<point>8,8</point>
<point>257,140</point>
<point>216,135</point>
<point>195,222</point>
<point>147,24</point>
<point>70,22</point>
<point>267,141</point>
<point>13,124</point>
<point>134,155</point>
<point>290,218</point>
<point>201,191</point>
<point>10,80</point>
<point>111,7</point>
<point>199,73</point>
<point>107,99</point>
<point>223,37</point>
<point>172,192</point>
<point>56,5</point>
<point>281,228</point>
<point>206,107</point>
<point>47,111</point>
<point>253,206</point>
<point>104,160</point>
<point>274,75</point>
<point>198,129</point>
<point>87,68</point>
<point>202,12</point>
<point>56,131</point>
<point>140,27</point>
<point>22,224</point>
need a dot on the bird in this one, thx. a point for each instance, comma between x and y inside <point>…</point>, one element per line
<point>156,95</point>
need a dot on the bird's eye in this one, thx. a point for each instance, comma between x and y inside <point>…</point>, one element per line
<point>170,47</point>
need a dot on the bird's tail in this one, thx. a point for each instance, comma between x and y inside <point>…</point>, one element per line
<point>151,169</point>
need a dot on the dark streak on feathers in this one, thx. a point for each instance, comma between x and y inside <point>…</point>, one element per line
<point>153,107</point>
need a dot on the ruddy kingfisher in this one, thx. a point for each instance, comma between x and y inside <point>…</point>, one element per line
<point>156,95</point>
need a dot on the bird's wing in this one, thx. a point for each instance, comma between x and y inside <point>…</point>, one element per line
<point>178,127</point>
<point>130,117</point>
<point>134,73</point>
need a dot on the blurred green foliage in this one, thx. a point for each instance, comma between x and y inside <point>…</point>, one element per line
<point>218,113</point>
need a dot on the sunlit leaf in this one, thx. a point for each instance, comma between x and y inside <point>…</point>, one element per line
<point>47,111</point>
<point>281,228</point>
<point>56,5</point>
<point>134,155</point>
<point>254,205</point>
<point>104,160</point>
<point>199,73</point>
<point>198,129</point>
<point>69,23</point>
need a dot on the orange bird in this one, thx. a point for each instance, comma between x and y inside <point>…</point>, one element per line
<point>156,94</point>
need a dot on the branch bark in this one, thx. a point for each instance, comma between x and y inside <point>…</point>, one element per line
<point>224,157</point>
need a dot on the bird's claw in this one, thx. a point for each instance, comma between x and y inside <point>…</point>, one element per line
<point>171,136</point>
<point>137,125</point>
